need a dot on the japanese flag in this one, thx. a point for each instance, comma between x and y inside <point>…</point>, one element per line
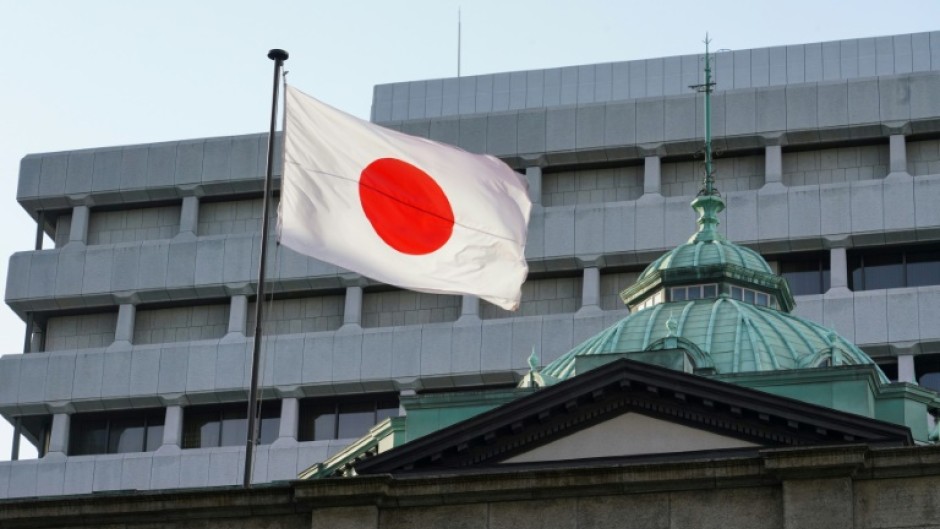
<point>402,210</point>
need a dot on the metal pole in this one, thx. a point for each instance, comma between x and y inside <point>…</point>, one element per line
<point>709,178</point>
<point>278,56</point>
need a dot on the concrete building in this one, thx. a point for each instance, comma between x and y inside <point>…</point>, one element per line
<point>138,332</point>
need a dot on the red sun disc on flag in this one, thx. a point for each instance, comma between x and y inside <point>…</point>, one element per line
<point>405,206</point>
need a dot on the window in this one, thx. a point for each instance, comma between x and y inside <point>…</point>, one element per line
<point>806,273</point>
<point>344,417</point>
<point>889,366</point>
<point>655,299</point>
<point>116,433</point>
<point>693,292</point>
<point>927,371</point>
<point>753,296</point>
<point>898,267</point>
<point>227,425</point>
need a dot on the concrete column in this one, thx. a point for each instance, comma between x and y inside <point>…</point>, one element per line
<point>591,290</point>
<point>897,152</point>
<point>906,371</point>
<point>79,229</point>
<point>59,436</point>
<point>238,314</point>
<point>652,176</point>
<point>124,332</point>
<point>290,416</point>
<point>404,393</point>
<point>470,307</point>
<point>773,165</point>
<point>172,430</point>
<point>352,314</point>
<point>189,217</point>
<point>36,339</point>
<point>534,176</point>
<point>838,271</point>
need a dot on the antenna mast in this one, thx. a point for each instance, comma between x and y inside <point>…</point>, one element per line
<point>458,42</point>
<point>708,203</point>
<point>707,88</point>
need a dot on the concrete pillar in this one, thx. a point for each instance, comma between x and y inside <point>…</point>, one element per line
<point>906,371</point>
<point>352,314</point>
<point>897,152</point>
<point>404,393</point>
<point>189,217</point>
<point>773,166</point>
<point>79,230</point>
<point>124,332</point>
<point>591,290</point>
<point>172,430</point>
<point>838,271</point>
<point>238,314</point>
<point>652,176</point>
<point>534,176</point>
<point>470,307</point>
<point>36,339</point>
<point>290,418</point>
<point>59,436</point>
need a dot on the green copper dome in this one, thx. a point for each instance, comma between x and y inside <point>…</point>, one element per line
<point>703,253</point>
<point>711,307</point>
<point>708,258</point>
<point>718,336</point>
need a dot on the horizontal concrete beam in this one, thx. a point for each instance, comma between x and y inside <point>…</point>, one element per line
<point>204,467</point>
<point>466,353</point>
<point>565,238</point>
<point>656,77</point>
<point>834,112</point>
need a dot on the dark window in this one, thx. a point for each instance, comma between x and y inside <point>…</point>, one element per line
<point>927,371</point>
<point>889,367</point>
<point>896,267</point>
<point>227,425</point>
<point>806,273</point>
<point>344,417</point>
<point>116,433</point>
<point>923,267</point>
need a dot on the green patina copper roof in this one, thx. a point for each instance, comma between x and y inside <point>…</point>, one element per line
<point>709,257</point>
<point>708,246</point>
<point>723,335</point>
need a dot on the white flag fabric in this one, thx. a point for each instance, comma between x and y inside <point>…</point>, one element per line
<point>399,209</point>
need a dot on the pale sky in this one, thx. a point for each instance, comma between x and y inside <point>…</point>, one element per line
<point>100,73</point>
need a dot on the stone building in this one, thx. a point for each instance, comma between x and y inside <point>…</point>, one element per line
<point>138,319</point>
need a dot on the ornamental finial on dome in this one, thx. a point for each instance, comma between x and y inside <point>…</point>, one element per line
<point>671,326</point>
<point>709,203</point>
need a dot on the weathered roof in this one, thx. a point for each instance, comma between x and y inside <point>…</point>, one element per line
<point>733,337</point>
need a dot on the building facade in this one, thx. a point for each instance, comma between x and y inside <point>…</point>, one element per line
<point>139,340</point>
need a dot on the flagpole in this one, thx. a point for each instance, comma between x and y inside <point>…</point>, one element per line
<point>278,56</point>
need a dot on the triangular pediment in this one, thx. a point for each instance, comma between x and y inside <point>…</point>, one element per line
<point>629,434</point>
<point>630,410</point>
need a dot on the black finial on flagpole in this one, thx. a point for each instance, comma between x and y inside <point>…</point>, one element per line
<point>278,56</point>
